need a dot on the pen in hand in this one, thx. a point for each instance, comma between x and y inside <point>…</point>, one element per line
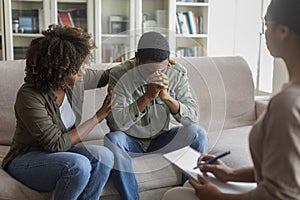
<point>213,159</point>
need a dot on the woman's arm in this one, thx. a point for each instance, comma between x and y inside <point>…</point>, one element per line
<point>82,130</point>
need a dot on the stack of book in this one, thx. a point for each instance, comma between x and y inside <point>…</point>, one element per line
<point>188,23</point>
<point>73,17</point>
<point>191,51</point>
<point>19,52</point>
<point>114,53</point>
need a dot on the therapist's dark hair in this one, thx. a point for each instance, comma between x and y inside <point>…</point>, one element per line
<point>285,12</point>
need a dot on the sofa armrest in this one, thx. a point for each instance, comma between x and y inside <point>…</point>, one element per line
<point>261,104</point>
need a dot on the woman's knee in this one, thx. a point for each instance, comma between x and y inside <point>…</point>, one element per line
<point>77,165</point>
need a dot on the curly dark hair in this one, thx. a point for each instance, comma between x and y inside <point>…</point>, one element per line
<point>50,59</point>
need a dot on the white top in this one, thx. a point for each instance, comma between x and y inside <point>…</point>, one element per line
<point>67,114</point>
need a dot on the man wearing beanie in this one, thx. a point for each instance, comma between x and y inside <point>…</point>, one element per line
<point>148,90</point>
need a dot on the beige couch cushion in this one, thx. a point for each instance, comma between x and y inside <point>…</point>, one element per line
<point>13,189</point>
<point>12,75</point>
<point>224,90</point>
<point>235,140</point>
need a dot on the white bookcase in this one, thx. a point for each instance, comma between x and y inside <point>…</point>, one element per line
<point>185,42</point>
<point>114,30</point>
<point>116,25</point>
<point>28,17</point>
<point>157,15</point>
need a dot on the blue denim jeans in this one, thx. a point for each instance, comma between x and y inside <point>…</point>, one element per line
<point>124,147</point>
<point>79,173</point>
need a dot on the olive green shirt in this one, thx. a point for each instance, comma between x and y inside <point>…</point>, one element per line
<point>39,123</point>
<point>128,86</point>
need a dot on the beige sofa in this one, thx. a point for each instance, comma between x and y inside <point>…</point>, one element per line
<point>223,88</point>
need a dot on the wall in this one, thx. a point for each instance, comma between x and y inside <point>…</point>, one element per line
<point>235,28</point>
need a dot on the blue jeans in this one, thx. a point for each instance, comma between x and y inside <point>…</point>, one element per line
<point>79,173</point>
<point>124,147</point>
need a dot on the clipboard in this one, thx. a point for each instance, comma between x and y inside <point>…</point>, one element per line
<point>186,159</point>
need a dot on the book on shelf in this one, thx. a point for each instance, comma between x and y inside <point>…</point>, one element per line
<point>200,25</point>
<point>189,23</point>
<point>191,51</point>
<point>79,17</point>
<point>183,23</point>
<point>192,23</point>
<point>19,52</point>
<point>178,25</point>
<point>65,19</point>
<point>114,53</point>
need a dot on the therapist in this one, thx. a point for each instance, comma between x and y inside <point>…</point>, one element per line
<point>275,138</point>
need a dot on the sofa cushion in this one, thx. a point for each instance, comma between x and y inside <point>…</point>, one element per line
<point>235,140</point>
<point>12,189</point>
<point>12,75</point>
<point>224,90</point>
<point>93,100</point>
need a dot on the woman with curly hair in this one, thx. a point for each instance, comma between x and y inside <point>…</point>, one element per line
<point>48,108</point>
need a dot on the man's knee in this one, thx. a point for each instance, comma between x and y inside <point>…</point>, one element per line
<point>116,141</point>
<point>200,142</point>
<point>114,137</point>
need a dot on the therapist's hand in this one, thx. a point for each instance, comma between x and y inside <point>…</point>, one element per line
<point>205,190</point>
<point>221,171</point>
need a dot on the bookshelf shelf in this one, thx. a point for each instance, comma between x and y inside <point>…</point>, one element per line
<point>71,2</point>
<point>29,0</point>
<point>191,4</point>
<point>28,35</point>
<point>192,35</point>
<point>115,35</point>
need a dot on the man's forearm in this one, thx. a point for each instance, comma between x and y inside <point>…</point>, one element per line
<point>142,103</point>
<point>173,105</point>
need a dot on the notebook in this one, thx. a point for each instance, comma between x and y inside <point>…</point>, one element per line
<point>186,159</point>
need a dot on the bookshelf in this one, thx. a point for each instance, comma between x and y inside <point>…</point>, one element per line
<point>29,17</point>
<point>190,26</point>
<point>115,29</point>
<point>73,13</point>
